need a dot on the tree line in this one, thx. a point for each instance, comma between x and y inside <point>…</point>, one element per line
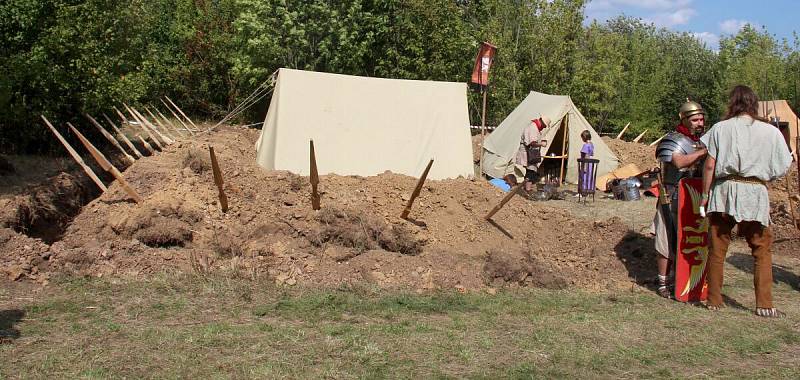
<point>64,57</point>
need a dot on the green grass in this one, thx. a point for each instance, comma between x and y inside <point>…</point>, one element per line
<point>220,327</point>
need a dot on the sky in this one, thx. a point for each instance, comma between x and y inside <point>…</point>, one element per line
<point>708,20</point>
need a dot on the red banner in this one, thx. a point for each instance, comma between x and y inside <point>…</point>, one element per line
<point>483,62</point>
<point>692,255</point>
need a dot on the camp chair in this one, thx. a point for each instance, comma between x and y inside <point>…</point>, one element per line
<point>587,177</point>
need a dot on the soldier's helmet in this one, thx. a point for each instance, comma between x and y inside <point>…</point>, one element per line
<point>690,108</point>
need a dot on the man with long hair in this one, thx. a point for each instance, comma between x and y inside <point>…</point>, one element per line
<point>744,153</point>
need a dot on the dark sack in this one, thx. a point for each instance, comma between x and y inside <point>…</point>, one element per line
<point>534,154</point>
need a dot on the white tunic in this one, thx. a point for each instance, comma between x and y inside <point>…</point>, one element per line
<point>745,147</point>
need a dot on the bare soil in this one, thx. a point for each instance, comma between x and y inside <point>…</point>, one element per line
<point>270,229</point>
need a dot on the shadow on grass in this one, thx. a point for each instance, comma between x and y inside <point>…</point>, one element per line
<point>780,273</point>
<point>637,252</point>
<point>8,318</point>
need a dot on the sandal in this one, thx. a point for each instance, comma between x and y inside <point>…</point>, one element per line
<point>714,307</point>
<point>663,291</point>
<point>770,312</point>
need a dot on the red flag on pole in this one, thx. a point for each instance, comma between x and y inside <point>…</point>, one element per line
<point>480,73</point>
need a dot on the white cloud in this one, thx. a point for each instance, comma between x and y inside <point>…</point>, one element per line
<point>732,26</point>
<point>678,17</point>
<point>710,39</point>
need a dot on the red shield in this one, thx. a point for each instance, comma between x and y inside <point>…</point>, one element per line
<point>692,255</point>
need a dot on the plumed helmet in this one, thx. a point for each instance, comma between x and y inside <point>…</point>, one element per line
<point>690,108</point>
<point>671,143</point>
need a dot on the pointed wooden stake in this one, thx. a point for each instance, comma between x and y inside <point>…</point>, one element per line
<point>123,137</point>
<point>146,145</point>
<point>314,179</point>
<point>163,126</point>
<point>659,140</point>
<point>639,137</point>
<point>619,136</point>
<point>75,156</point>
<point>109,137</point>
<point>184,115</point>
<point>166,120</point>
<point>106,165</point>
<point>178,118</point>
<point>514,190</point>
<point>417,189</point>
<point>165,138</point>
<point>142,127</point>
<point>223,199</point>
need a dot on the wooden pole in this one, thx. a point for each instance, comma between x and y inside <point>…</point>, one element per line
<point>109,137</point>
<point>123,137</point>
<point>565,128</point>
<point>636,140</point>
<point>223,199</point>
<point>164,126</point>
<point>514,190</point>
<point>181,111</point>
<point>164,137</point>
<point>146,145</point>
<point>483,128</point>
<point>106,165</point>
<point>659,140</point>
<point>178,118</point>
<point>314,179</point>
<point>75,156</point>
<point>122,117</point>
<point>619,136</point>
<point>142,127</point>
<point>417,189</point>
<point>147,126</point>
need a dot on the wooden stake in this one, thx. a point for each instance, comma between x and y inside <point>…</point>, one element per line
<point>223,199</point>
<point>659,140</point>
<point>483,128</point>
<point>636,140</point>
<point>75,156</point>
<point>166,120</point>
<point>109,137</point>
<point>146,145</point>
<point>166,138</point>
<point>184,115</point>
<point>164,126</point>
<point>106,165</point>
<point>417,189</point>
<point>142,127</point>
<point>514,190</point>
<point>178,118</point>
<point>124,138</point>
<point>565,128</point>
<point>619,136</point>
<point>147,127</point>
<point>314,179</point>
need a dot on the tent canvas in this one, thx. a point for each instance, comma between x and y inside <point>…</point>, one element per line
<point>781,108</point>
<point>500,148</point>
<point>366,126</point>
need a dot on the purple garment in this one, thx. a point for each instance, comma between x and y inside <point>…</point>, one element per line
<point>588,149</point>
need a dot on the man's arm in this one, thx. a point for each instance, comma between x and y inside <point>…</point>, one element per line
<point>685,160</point>
<point>708,177</point>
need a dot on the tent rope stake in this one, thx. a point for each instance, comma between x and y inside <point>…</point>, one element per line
<point>417,189</point>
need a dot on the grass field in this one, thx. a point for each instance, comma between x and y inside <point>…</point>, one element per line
<point>217,327</point>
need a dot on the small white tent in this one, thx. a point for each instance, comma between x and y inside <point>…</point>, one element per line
<point>366,126</point>
<point>780,108</point>
<point>500,148</point>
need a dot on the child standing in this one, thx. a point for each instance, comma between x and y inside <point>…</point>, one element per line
<point>587,151</point>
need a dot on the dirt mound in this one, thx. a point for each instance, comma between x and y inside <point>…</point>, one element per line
<point>642,155</point>
<point>271,230</point>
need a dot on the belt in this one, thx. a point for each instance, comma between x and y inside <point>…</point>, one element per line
<point>738,178</point>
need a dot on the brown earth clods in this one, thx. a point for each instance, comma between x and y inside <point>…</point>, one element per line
<point>642,155</point>
<point>271,230</point>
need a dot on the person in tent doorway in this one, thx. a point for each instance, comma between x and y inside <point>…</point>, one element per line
<point>675,165</point>
<point>529,154</point>
<point>744,153</point>
<point>587,150</point>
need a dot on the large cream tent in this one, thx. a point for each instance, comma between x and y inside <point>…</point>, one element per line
<point>500,148</point>
<point>366,126</point>
<point>780,108</point>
